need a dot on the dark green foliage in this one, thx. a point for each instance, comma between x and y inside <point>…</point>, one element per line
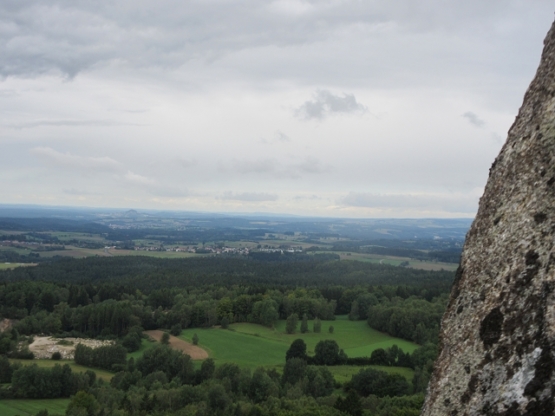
<point>291,323</point>
<point>330,329</point>
<point>294,371</point>
<point>326,352</point>
<point>83,404</point>
<point>317,326</point>
<point>206,371</point>
<point>224,322</point>
<point>162,358</point>
<point>176,330</point>
<point>6,370</point>
<point>350,405</point>
<point>320,381</point>
<point>296,350</point>
<point>304,324</point>
<point>56,356</point>
<point>195,339</point>
<point>411,319</point>
<point>166,339</point>
<point>131,342</point>
<point>107,357</point>
<point>379,357</point>
<point>33,382</point>
<point>378,383</point>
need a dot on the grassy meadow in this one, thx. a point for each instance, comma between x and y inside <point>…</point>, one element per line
<point>28,407</point>
<point>252,345</point>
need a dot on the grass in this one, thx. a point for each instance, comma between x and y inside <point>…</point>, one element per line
<point>252,345</point>
<point>103,374</point>
<point>7,266</point>
<point>145,345</point>
<point>27,407</point>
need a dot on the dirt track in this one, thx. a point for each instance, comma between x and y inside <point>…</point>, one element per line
<point>195,352</point>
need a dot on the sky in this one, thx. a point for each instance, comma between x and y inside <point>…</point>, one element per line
<point>335,108</point>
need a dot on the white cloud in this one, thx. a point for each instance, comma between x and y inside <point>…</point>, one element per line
<point>68,160</point>
<point>454,203</point>
<point>249,196</point>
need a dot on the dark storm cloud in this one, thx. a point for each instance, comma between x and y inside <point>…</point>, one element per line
<point>325,103</point>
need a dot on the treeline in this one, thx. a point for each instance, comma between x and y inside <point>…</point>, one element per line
<point>164,381</point>
<point>147,273</point>
<point>412,319</point>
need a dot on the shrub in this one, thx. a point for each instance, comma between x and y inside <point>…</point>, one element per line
<point>57,356</point>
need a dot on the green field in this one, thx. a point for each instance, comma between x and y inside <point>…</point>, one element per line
<point>252,345</point>
<point>103,374</point>
<point>145,345</point>
<point>6,266</point>
<point>27,407</point>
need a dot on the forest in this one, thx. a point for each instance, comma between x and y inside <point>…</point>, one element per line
<point>118,298</point>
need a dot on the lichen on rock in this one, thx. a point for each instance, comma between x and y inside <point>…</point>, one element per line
<point>497,342</point>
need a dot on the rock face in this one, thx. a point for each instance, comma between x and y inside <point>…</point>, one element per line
<point>497,340</point>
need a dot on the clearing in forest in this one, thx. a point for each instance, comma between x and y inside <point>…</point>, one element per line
<point>195,352</point>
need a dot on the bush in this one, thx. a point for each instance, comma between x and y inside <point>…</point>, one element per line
<point>330,329</point>
<point>57,356</point>
<point>176,330</point>
<point>195,339</point>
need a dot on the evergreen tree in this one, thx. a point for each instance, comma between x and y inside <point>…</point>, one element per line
<point>304,324</point>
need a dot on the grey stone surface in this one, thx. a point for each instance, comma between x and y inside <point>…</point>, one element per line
<point>497,340</point>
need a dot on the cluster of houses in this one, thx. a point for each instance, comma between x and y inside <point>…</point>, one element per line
<point>219,250</point>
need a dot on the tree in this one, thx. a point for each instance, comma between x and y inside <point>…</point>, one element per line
<point>176,330</point>
<point>330,329</point>
<point>195,339</point>
<point>291,323</point>
<point>293,371</point>
<point>304,324</point>
<point>326,352</point>
<point>82,404</point>
<point>224,322</point>
<point>165,339</point>
<point>351,404</point>
<point>379,357</point>
<point>56,355</point>
<point>317,326</point>
<point>296,350</point>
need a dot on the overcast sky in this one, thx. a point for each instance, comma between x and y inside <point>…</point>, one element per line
<point>341,108</point>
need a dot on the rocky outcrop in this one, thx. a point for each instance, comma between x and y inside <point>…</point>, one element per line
<point>498,333</point>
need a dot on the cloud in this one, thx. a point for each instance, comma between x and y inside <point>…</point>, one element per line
<point>249,196</point>
<point>138,179</point>
<point>325,103</point>
<point>474,119</point>
<point>311,165</point>
<point>255,166</point>
<point>276,169</point>
<point>279,137</point>
<point>458,203</point>
<point>70,123</point>
<point>77,192</point>
<point>68,160</point>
